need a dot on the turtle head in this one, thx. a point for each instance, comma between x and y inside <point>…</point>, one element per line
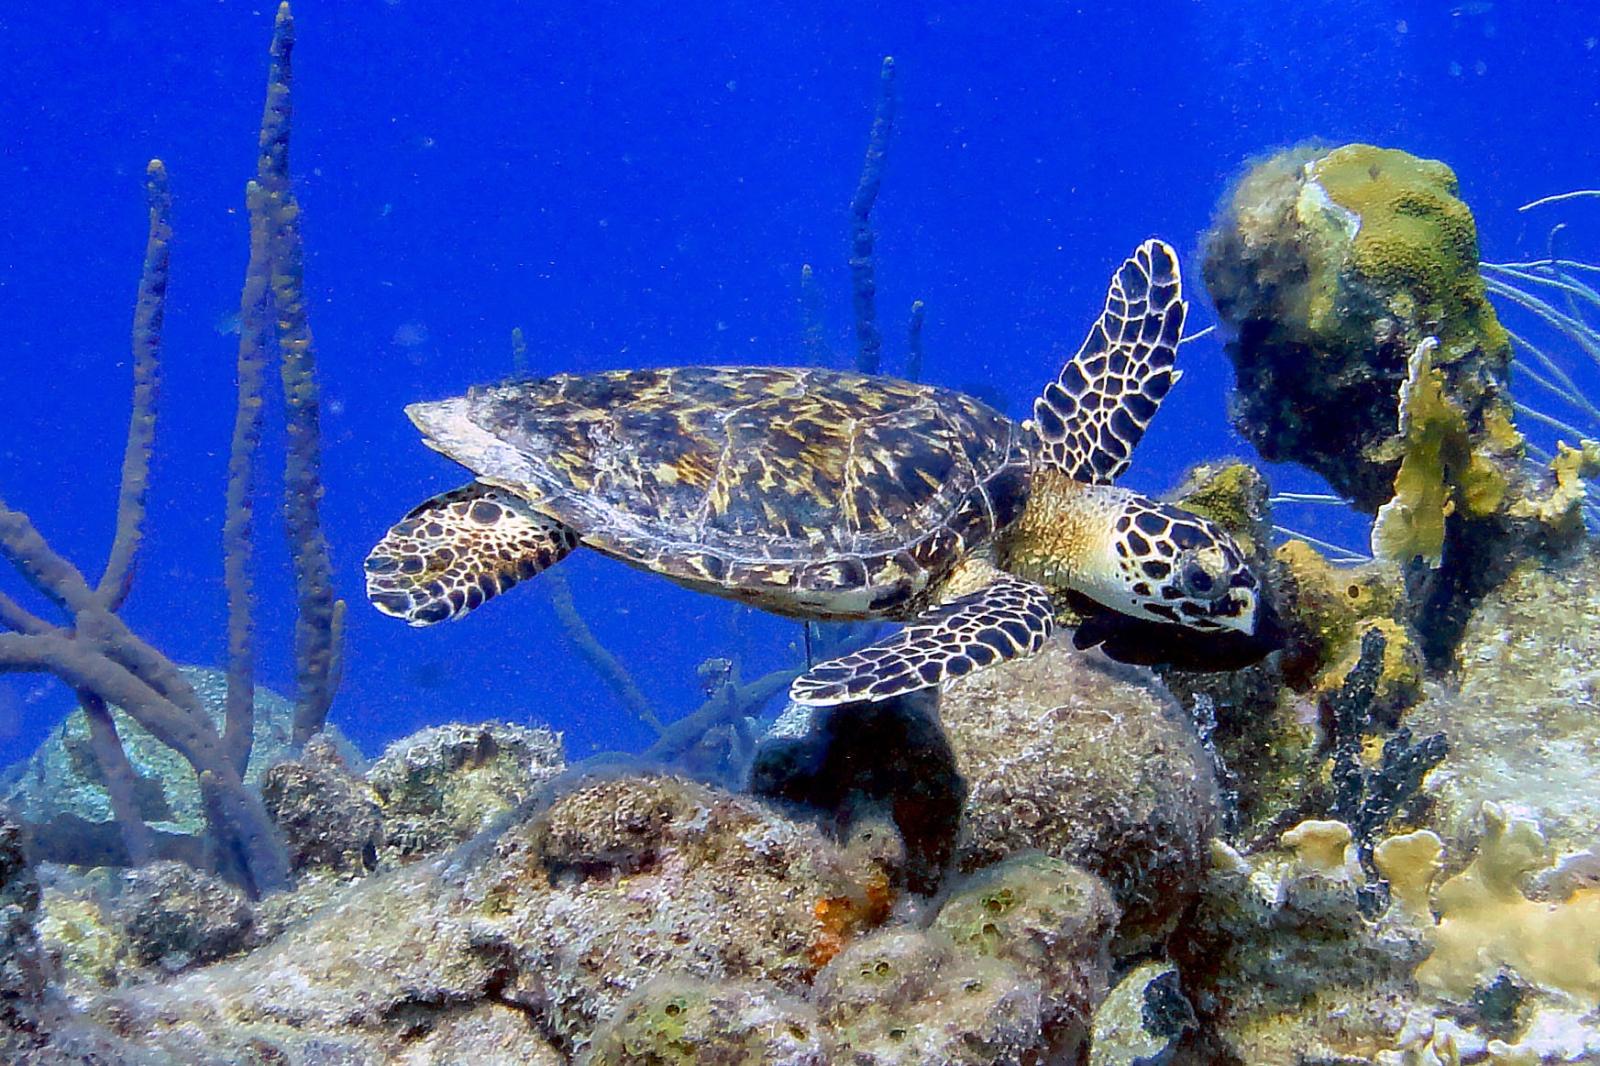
<point>1176,567</point>
<point>1144,560</point>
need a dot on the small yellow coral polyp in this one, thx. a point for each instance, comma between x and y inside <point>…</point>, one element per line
<point>1321,845</point>
<point>1561,509</point>
<point>1409,863</point>
<point>1487,925</point>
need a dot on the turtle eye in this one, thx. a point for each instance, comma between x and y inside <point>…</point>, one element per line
<point>1200,581</point>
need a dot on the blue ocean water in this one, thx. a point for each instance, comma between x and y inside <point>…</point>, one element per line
<point>639,184</point>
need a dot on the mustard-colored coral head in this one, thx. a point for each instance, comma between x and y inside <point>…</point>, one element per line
<point>1415,231</point>
<point>1410,863</point>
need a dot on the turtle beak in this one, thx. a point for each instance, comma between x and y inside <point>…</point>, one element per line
<point>1238,611</point>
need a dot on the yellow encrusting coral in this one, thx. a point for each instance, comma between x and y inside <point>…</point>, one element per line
<point>1322,845</point>
<point>1440,471</point>
<point>1333,606</point>
<point>1561,509</point>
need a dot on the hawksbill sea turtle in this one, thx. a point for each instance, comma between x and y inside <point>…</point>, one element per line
<point>824,494</point>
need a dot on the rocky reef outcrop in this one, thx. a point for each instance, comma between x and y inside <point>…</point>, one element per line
<point>1365,349</point>
<point>858,764</point>
<point>326,813</point>
<point>1330,266</point>
<point>62,781</point>
<point>646,919</point>
<point>1521,712</point>
<point>1379,844</point>
<point>1067,753</point>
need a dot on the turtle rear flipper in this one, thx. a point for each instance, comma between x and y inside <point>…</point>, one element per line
<point>458,549</point>
<point>1005,619</point>
<point>1090,418</point>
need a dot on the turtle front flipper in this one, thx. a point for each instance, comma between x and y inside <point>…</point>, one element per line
<point>1005,619</point>
<point>1090,418</point>
<point>456,550</point>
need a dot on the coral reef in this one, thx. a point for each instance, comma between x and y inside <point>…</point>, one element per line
<point>1330,608</point>
<point>442,785</point>
<point>1281,963</point>
<point>1273,726</point>
<point>1284,967</point>
<point>1091,762</point>
<point>1331,266</point>
<point>728,893</point>
<point>80,934</point>
<point>1369,797</point>
<point>325,813</point>
<point>1026,868</point>
<point>655,874</point>
<point>637,919</point>
<point>1440,473</point>
<point>1488,928</point>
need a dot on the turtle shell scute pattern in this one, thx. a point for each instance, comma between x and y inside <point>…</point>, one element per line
<point>812,491</point>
